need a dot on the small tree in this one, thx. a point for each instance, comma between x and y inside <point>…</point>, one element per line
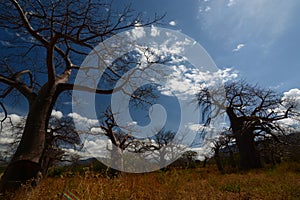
<point>222,148</point>
<point>188,159</point>
<point>61,134</point>
<point>162,147</point>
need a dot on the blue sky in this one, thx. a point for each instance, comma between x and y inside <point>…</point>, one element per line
<point>257,38</point>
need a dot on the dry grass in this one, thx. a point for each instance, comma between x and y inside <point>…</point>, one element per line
<point>282,182</point>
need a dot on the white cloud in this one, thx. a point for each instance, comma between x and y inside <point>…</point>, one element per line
<point>172,23</point>
<point>96,146</point>
<point>14,118</point>
<point>8,132</point>
<point>293,124</point>
<point>137,32</point>
<point>294,94</point>
<point>289,122</point>
<point>56,114</point>
<point>154,31</point>
<point>238,47</point>
<point>186,83</point>
<point>97,130</point>
<point>83,123</point>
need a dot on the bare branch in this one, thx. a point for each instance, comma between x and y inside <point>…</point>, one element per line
<point>4,117</point>
<point>21,87</point>
<point>27,24</point>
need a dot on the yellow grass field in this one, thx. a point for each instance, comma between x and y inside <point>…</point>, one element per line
<point>280,182</point>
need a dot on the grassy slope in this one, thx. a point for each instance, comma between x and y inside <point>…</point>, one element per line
<point>281,182</point>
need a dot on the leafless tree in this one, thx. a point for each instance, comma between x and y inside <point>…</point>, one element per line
<point>162,147</point>
<point>61,133</point>
<point>252,112</point>
<point>120,141</point>
<point>222,149</point>
<point>51,38</point>
<point>186,160</point>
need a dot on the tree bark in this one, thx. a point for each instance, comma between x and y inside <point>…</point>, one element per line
<point>249,156</point>
<point>25,165</point>
<point>218,162</point>
<point>117,158</point>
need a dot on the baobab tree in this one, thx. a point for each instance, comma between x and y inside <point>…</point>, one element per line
<point>61,133</point>
<point>252,112</point>
<point>162,147</point>
<point>50,39</point>
<point>119,140</point>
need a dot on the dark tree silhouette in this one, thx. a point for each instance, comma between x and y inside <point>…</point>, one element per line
<point>252,112</point>
<point>51,37</point>
<point>223,149</point>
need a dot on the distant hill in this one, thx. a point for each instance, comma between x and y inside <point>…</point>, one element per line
<point>87,161</point>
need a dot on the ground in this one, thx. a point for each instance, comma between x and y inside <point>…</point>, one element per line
<point>279,182</point>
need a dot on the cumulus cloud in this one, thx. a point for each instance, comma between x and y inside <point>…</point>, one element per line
<point>186,83</point>
<point>136,32</point>
<point>11,128</point>
<point>83,123</point>
<point>172,23</point>
<point>56,114</point>
<point>97,130</point>
<point>97,147</point>
<point>293,94</point>
<point>291,123</point>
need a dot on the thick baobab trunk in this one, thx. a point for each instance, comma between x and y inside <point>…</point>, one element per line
<point>25,165</point>
<point>117,161</point>
<point>163,162</point>
<point>117,158</point>
<point>249,156</point>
